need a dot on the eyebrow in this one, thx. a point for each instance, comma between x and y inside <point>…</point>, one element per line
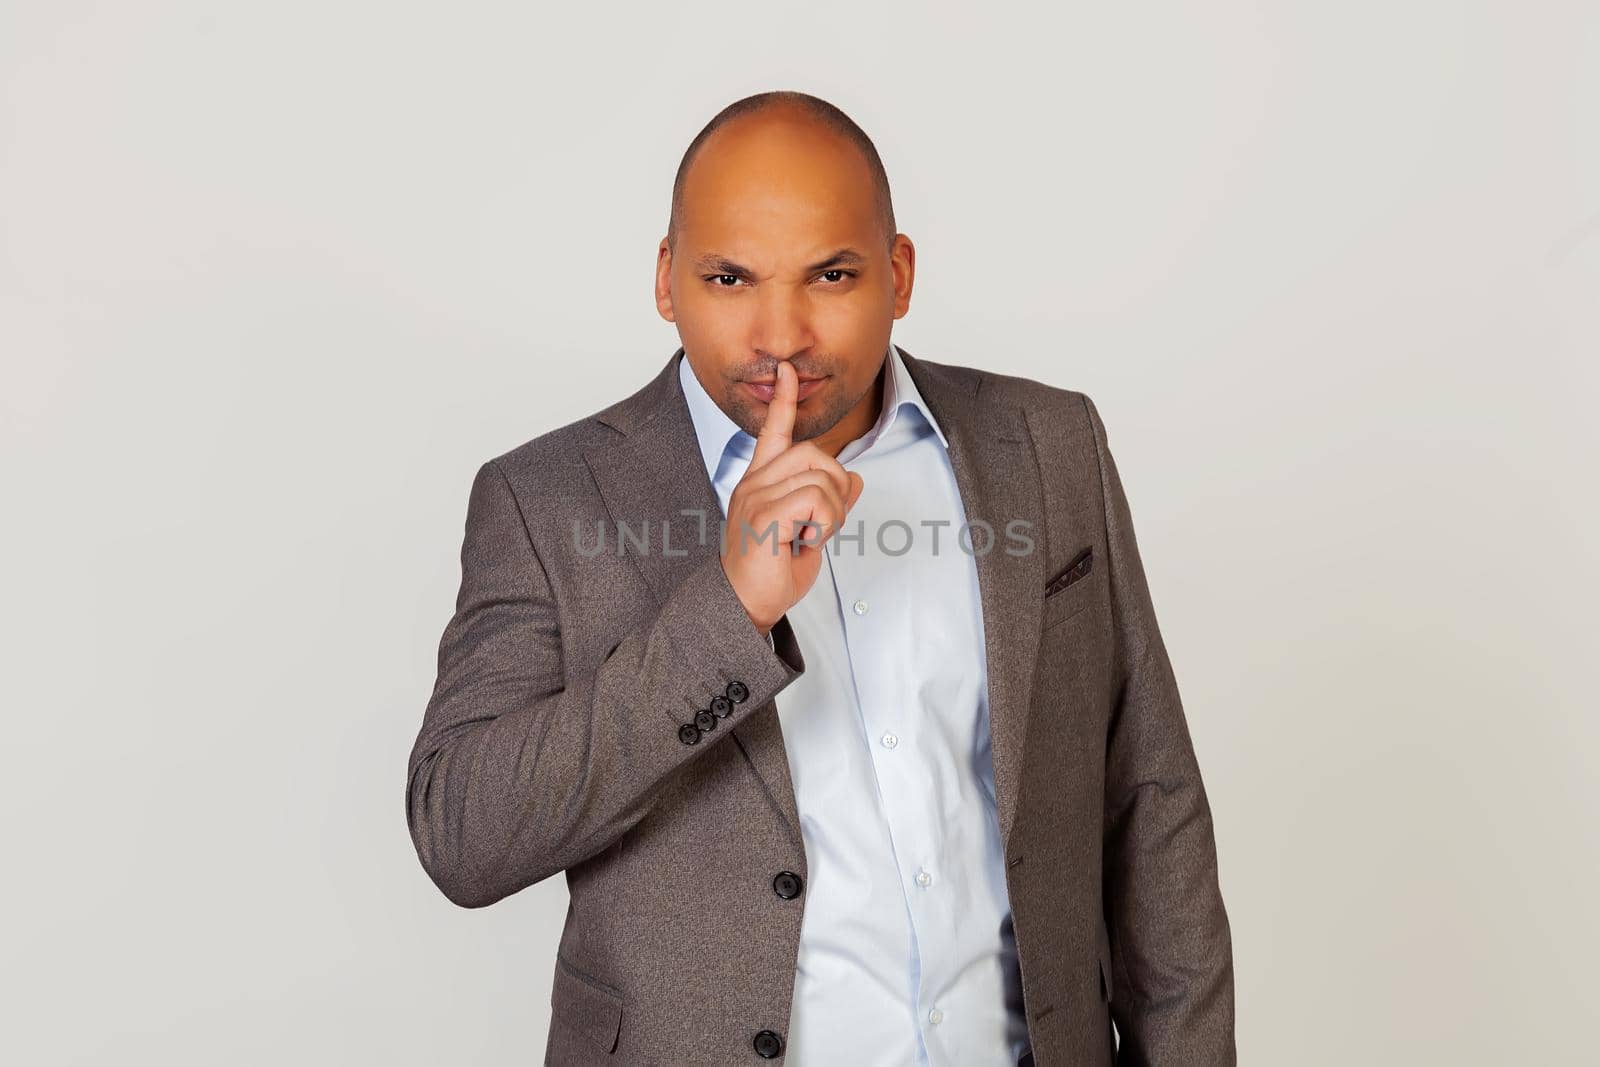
<point>712,263</point>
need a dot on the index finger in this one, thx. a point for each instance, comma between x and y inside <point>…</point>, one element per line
<point>777,430</point>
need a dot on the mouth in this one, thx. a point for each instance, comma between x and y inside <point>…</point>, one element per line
<point>763,391</point>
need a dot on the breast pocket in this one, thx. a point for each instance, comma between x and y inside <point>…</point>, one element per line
<point>1073,588</point>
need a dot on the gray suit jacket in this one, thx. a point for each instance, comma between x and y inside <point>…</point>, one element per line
<point>562,735</point>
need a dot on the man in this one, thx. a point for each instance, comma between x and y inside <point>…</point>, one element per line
<point>829,676</point>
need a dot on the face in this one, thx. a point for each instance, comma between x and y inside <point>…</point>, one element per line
<point>781,256</point>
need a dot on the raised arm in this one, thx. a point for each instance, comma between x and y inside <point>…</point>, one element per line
<point>521,770</point>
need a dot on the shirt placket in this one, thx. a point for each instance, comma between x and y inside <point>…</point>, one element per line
<point>879,634</point>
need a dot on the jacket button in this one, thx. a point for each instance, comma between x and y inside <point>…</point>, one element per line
<point>705,720</point>
<point>787,885</point>
<point>689,733</point>
<point>768,1044</point>
<point>721,707</point>
<point>738,692</point>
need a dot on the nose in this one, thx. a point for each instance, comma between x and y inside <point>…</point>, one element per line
<point>782,324</point>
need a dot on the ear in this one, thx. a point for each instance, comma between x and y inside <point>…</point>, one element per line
<point>664,281</point>
<point>903,269</point>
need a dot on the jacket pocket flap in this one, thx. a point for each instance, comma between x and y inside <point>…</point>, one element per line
<point>589,1006</point>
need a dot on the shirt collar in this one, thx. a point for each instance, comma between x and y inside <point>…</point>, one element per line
<point>717,433</point>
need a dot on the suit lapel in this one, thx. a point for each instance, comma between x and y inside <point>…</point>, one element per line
<point>992,455</point>
<point>654,474</point>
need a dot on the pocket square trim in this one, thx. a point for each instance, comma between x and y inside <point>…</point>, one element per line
<point>1081,565</point>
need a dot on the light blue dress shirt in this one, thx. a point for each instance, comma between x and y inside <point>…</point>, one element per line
<point>906,949</point>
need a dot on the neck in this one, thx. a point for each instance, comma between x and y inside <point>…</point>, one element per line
<point>858,421</point>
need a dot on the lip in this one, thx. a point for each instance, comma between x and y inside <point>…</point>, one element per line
<point>762,391</point>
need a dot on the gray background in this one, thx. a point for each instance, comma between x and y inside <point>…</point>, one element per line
<point>275,278</point>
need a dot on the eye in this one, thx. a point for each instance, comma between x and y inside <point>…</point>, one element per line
<point>725,281</point>
<point>836,275</point>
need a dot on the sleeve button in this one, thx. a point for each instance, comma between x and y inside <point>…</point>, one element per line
<point>689,733</point>
<point>721,706</point>
<point>738,692</point>
<point>705,720</point>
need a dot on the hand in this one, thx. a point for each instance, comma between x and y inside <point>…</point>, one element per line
<point>769,553</point>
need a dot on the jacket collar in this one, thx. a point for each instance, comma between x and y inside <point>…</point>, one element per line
<point>715,431</point>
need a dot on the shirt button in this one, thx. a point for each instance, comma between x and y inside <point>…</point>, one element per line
<point>936,1016</point>
<point>924,879</point>
<point>890,740</point>
<point>859,607</point>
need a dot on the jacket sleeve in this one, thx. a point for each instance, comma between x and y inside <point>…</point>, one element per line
<point>1171,948</point>
<point>522,768</point>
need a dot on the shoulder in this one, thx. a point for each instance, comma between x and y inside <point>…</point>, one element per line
<point>550,466</point>
<point>556,459</point>
<point>1056,414</point>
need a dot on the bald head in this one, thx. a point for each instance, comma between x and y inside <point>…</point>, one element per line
<point>782,247</point>
<point>787,106</point>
